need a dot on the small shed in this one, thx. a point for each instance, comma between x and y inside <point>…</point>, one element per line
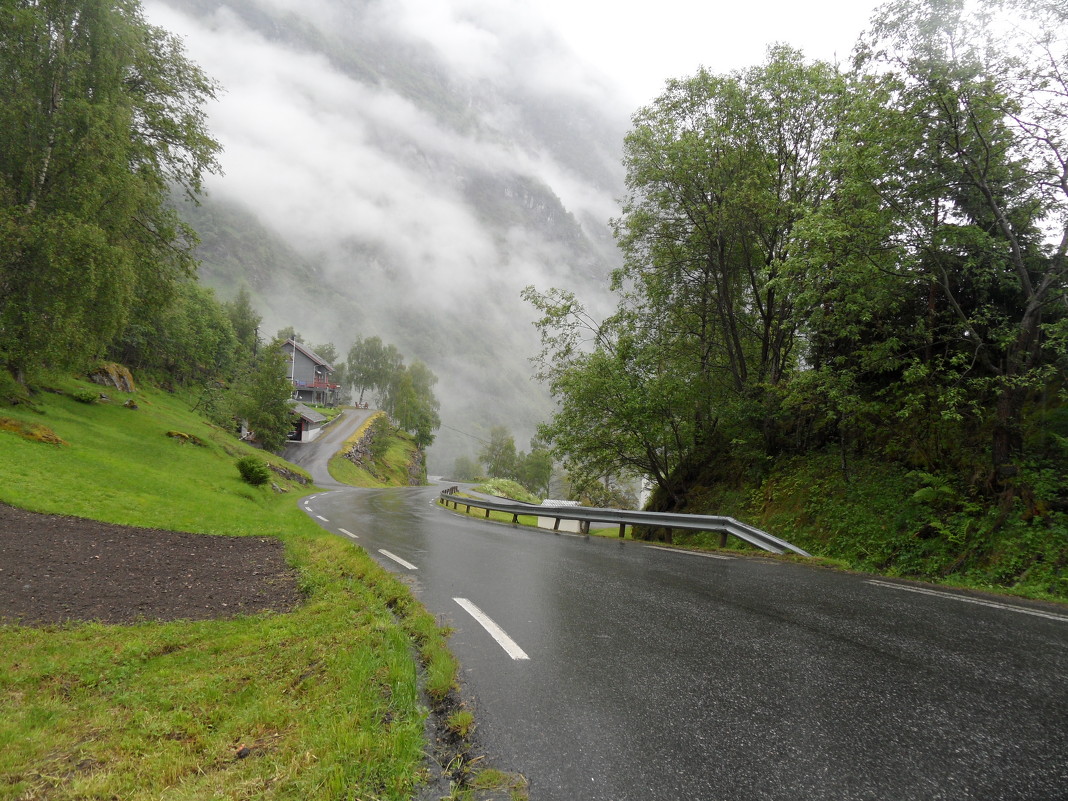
<point>550,522</point>
<point>308,423</point>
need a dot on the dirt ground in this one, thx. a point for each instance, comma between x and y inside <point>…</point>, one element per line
<point>55,569</point>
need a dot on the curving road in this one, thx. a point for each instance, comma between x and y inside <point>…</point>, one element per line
<point>314,456</point>
<point>612,670</point>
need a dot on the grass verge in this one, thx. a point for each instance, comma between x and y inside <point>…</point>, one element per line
<point>323,702</point>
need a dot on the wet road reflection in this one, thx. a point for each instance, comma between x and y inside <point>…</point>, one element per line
<point>654,674</point>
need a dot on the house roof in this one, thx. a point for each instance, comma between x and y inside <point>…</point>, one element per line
<point>308,414</point>
<point>315,357</point>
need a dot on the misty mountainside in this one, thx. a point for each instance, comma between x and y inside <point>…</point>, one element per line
<point>404,169</point>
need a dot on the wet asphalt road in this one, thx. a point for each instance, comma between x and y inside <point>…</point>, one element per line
<point>315,456</point>
<point>665,675</point>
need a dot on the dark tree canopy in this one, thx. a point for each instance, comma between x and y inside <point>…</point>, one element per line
<point>102,115</point>
<point>871,259</point>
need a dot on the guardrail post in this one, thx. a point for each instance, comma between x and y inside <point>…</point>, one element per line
<point>723,539</point>
<point>622,530</point>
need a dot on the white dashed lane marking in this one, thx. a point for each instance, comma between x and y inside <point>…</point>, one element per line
<point>323,518</point>
<point>496,632</point>
<point>397,559</point>
<point>348,533</point>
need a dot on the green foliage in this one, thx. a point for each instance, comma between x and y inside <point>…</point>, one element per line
<point>287,333</point>
<point>102,114</point>
<point>167,704</point>
<point>190,339</point>
<point>84,395</point>
<point>380,432</point>
<point>602,494</point>
<point>720,170</point>
<point>506,488</point>
<point>410,398</point>
<point>244,320</point>
<point>884,518</point>
<point>372,365</point>
<point>534,470</point>
<point>253,470</point>
<point>465,469</point>
<point>870,263</point>
<point>498,455</point>
<point>261,396</point>
<point>406,393</point>
<point>461,722</point>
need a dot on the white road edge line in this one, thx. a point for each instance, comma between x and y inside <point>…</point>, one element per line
<point>690,553</point>
<point>397,559</point>
<point>978,601</point>
<point>348,533</point>
<point>496,632</point>
<point>323,518</point>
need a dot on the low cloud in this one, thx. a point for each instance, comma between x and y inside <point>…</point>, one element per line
<point>380,187</point>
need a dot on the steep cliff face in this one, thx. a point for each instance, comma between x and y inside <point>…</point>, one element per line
<point>404,170</point>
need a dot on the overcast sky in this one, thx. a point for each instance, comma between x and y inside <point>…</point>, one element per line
<point>642,45</point>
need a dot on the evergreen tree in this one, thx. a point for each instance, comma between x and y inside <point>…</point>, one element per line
<point>261,396</point>
<point>245,320</point>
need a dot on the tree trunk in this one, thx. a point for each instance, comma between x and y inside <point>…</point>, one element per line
<point>1007,444</point>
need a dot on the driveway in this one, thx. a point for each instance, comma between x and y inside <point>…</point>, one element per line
<point>315,456</point>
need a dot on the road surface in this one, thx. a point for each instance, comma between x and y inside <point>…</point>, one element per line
<point>314,456</point>
<point>608,669</point>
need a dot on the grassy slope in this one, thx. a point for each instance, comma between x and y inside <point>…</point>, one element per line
<point>874,520</point>
<point>390,471</point>
<point>325,697</point>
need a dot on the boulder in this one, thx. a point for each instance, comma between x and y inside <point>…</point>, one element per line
<point>114,375</point>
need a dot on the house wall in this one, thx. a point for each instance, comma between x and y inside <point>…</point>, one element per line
<point>565,525</point>
<point>311,431</point>
<point>303,369</point>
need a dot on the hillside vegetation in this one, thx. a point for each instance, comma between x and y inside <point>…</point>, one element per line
<point>326,699</point>
<point>843,305</point>
<point>379,455</point>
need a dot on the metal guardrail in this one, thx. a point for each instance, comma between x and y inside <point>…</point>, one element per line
<point>623,518</point>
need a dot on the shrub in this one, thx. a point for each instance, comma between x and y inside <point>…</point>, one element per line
<point>254,470</point>
<point>85,395</point>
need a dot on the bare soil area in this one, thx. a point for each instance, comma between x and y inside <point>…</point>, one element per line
<point>55,569</point>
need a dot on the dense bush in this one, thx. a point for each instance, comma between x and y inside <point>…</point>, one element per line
<point>254,470</point>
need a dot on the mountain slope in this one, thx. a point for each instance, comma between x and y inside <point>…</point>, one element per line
<point>404,171</point>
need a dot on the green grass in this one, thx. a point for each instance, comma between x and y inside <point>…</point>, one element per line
<point>506,488</point>
<point>120,466</point>
<point>319,703</point>
<point>389,471</point>
<point>484,514</point>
